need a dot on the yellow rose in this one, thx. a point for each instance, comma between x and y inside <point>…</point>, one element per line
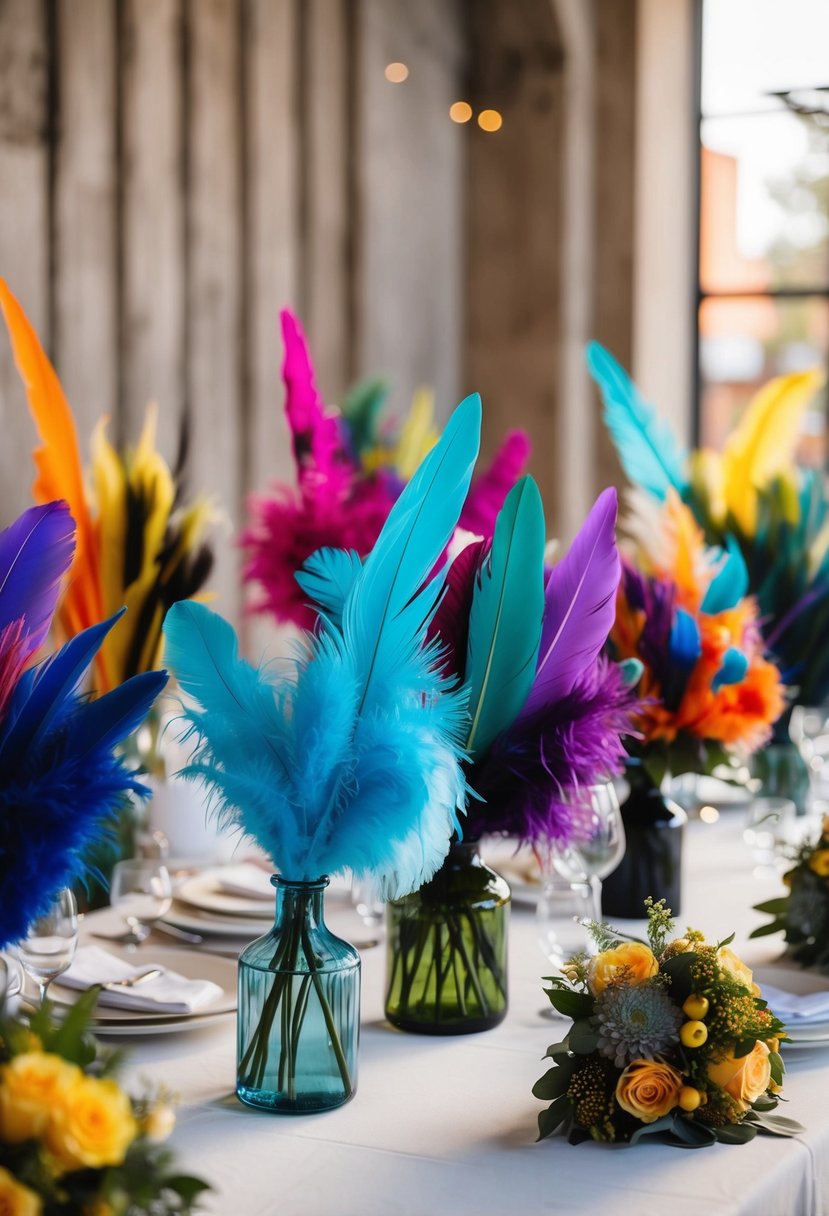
<point>94,1126</point>
<point>30,1085</point>
<point>745,1079</point>
<point>819,863</point>
<point>648,1089</point>
<point>737,969</point>
<point>636,961</point>
<point>16,1199</point>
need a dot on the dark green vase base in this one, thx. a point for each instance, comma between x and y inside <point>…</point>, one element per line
<point>465,1026</point>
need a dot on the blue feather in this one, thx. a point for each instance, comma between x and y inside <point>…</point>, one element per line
<point>327,578</point>
<point>730,584</point>
<point>352,761</point>
<point>35,553</point>
<point>685,644</point>
<point>647,449</point>
<point>733,669</point>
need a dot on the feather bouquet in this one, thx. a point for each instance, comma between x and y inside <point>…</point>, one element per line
<point>352,761</point>
<point>752,496</point>
<point>139,543</point>
<point>351,466</point>
<point>61,781</point>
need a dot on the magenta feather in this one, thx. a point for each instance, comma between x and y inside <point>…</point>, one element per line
<point>580,606</point>
<point>486,497</point>
<point>322,462</point>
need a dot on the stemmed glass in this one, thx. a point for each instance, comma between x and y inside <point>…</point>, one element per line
<point>598,843</point>
<point>370,908</point>
<point>49,947</point>
<point>142,892</point>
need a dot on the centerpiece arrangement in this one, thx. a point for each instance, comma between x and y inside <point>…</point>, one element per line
<point>72,1140</point>
<point>62,780</point>
<point>547,716</point>
<point>803,913</point>
<point>351,466</point>
<point>706,690</point>
<point>753,498</point>
<point>349,761</point>
<point>671,1038</point>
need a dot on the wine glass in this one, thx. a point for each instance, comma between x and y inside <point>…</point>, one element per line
<point>598,843</point>
<point>369,907</point>
<point>142,892</point>
<point>769,829</point>
<point>49,946</point>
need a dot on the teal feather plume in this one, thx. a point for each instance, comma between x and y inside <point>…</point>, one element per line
<point>353,759</point>
<point>505,618</point>
<point>730,583</point>
<point>327,577</point>
<point>646,446</point>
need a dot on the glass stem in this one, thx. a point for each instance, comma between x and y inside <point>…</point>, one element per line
<point>596,897</point>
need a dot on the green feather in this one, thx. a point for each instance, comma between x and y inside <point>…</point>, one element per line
<point>505,618</point>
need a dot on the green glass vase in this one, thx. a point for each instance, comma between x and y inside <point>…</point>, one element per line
<point>447,950</point>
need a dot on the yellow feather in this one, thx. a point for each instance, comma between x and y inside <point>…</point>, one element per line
<point>706,470</point>
<point>150,479</point>
<point>109,483</point>
<point>418,436</point>
<point>762,445</point>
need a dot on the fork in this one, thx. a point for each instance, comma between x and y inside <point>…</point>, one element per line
<point>135,980</point>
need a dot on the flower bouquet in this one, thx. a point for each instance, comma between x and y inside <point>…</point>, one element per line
<point>547,716</point>
<point>707,693</point>
<point>62,781</point>
<point>72,1140</point>
<point>350,760</point>
<point>670,1039</point>
<point>753,498</point>
<point>351,466</point>
<point>803,914</point>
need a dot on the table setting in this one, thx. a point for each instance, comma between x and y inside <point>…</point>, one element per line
<point>496,933</point>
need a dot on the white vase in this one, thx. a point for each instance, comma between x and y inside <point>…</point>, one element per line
<point>179,809</point>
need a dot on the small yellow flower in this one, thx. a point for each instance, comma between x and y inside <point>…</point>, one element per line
<point>632,960</point>
<point>819,863</point>
<point>159,1122</point>
<point>30,1086</point>
<point>94,1126</point>
<point>16,1199</point>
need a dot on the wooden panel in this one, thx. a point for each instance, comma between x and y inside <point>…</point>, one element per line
<point>410,303</point>
<point>85,309</point>
<point>214,274</point>
<point>23,224</point>
<point>152,336</point>
<point>615,153</point>
<point>326,222</point>
<point>514,231</point>
<point>271,247</point>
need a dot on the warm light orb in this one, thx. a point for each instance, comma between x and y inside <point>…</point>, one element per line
<point>460,111</point>
<point>396,73</point>
<point>490,120</point>
<point>709,814</point>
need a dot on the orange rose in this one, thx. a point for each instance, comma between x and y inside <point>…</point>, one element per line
<point>737,969</point>
<point>745,1079</point>
<point>648,1089</point>
<point>632,960</point>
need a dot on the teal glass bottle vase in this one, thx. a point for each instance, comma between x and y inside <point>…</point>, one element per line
<point>298,1019</point>
<point>447,950</point>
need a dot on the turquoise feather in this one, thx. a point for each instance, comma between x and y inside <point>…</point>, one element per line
<point>327,577</point>
<point>353,760</point>
<point>647,449</point>
<point>730,584</point>
<point>505,618</point>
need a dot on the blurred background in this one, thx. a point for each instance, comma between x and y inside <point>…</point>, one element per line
<point>458,193</point>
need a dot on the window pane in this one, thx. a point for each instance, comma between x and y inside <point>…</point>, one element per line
<point>743,343</point>
<point>764,203</point>
<point>753,48</point>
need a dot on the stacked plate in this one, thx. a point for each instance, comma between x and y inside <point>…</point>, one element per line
<point>231,905</point>
<point>111,1020</point>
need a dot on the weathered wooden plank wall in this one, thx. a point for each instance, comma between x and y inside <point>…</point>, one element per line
<point>174,171</point>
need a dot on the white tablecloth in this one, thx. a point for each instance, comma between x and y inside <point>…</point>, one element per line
<point>447,1125</point>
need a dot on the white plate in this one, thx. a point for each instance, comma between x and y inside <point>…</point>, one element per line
<point>210,925</point>
<point>802,983</point>
<point>111,1020</point>
<point>108,1029</point>
<point>202,891</point>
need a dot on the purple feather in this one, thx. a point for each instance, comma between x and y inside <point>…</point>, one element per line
<point>531,777</point>
<point>655,598</point>
<point>580,607</point>
<point>450,624</point>
<point>35,553</point>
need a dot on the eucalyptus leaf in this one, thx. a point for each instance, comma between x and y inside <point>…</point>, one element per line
<point>773,906</point>
<point>571,1004</point>
<point>583,1038</point>
<point>553,1084</point>
<point>665,1124</point>
<point>553,1117</point>
<point>774,926</point>
<point>736,1133</point>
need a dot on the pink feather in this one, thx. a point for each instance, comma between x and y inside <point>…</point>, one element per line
<point>489,490</point>
<point>451,621</point>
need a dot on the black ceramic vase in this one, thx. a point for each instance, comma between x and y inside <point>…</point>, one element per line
<point>652,864</point>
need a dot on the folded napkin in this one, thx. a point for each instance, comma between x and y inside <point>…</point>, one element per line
<point>797,1010</point>
<point>167,993</point>
<point>246,880</point>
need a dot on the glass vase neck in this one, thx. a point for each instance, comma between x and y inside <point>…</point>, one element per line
<point>298,899</point>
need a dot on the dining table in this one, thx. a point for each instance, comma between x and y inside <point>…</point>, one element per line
<point>448,1124</point>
